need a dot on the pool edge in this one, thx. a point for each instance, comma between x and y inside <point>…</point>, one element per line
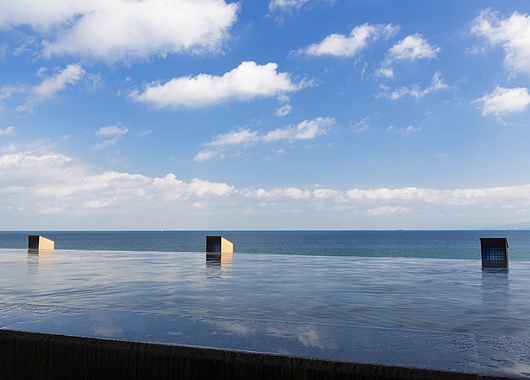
<point>51,356</point>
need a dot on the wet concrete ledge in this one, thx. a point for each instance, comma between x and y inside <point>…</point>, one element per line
<point>30,355</point>
<point>51,342</point>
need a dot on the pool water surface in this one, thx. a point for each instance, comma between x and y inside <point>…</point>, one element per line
<point>405,293</point>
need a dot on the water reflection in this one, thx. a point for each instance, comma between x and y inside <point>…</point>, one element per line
<point>105,326</point>
<point>425,294</point>
<point>232,327</point>
<point>496,300</point>
<point>37,258</point>
<point>307,335</point>
<point>218,264</point>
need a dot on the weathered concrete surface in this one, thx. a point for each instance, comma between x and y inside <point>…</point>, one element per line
<point>25,355</point>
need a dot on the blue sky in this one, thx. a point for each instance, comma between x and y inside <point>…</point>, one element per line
<point>280,114</point>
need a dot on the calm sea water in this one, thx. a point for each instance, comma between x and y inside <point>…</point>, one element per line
<point>421,244</point>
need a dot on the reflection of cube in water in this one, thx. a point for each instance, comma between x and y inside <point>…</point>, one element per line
<point>218,244</point>
<point>494,252</point>
<point>38,243</point>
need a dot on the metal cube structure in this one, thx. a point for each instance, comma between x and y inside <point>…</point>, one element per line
<point>494,252</point>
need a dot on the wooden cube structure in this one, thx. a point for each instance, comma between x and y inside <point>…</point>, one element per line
<point>218,244</point>
<point>38,243</point>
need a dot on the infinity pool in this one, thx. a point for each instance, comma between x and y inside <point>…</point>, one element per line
<point>419,294</point>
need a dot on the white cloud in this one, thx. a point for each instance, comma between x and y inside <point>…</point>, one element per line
<point>219,144</point>
<point>386,210</point>
<point>413,196</point>
<point>387,72</point>
<point>243,136</point>
<point>112,130</point>
<point>504,100</point>
<point>448,197</point>
<point>347,46</point>
<point>404,131</point>
<point>7,131</point>
<point>411,129</point>
<point>41,15</point>
<point>115,30</point>
<point>8,90</point>
<point>278,193</point>
<point>326,193</point>
<point>283,110</point>
<point>24,168</point>
<point>246,82</point>
<point>144,132</point>
<point>416,92</point>
<point>105,144</point>
<point>411,48</point>
<point>29,43</point>
<point>205,155</point>
<point>52,182</point>
<point>46,183</point>
<point>364,124</point>
<point>307,129</point>
<point>512,33</point>
<point>48,88</point>
<point>286,5</point>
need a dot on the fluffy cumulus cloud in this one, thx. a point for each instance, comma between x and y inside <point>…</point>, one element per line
<point>349,45</point>
<point>306,130</point>
<point>115,30</point>
<point>43,182</point>
<point>449,204</point>
<point>512,33</point>
<point>41,15</point>
<point>411,48</point>
<point>504,100</point>
<point>50,182</point>
<point>246,82</point>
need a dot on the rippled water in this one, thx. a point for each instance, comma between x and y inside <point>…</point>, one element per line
<point>410,293</point>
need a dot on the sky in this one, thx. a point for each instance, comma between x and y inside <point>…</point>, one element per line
<point>277,114</point>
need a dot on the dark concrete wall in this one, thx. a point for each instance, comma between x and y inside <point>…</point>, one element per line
<point>25,355</point>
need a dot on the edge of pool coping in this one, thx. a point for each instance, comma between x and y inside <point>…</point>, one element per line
<point>52,356</point>
<point>53,342</point>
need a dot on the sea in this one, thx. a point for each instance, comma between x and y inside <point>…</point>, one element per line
<point>418,280</point>
<point>392,243</point>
